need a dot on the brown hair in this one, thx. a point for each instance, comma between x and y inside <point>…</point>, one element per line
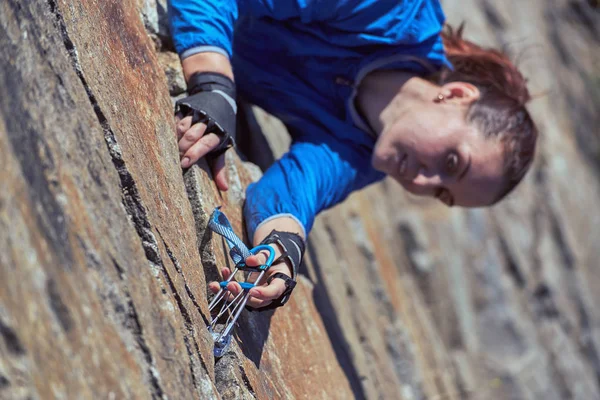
<point>500,111</point>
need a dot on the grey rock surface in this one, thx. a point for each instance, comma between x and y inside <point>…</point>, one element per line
<point>105,256</point>
<point>104,253</point>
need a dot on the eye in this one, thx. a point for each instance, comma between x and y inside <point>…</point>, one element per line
<point>451,163</point>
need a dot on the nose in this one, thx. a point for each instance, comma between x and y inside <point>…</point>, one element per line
<point>427,180</point>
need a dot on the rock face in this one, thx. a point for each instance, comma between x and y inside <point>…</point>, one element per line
<point>105,254</point>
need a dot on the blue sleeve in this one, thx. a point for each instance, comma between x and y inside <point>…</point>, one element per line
<point>305,10</point>
<point>310,178</point>
<point>207,25</point>
<point>202,25</point>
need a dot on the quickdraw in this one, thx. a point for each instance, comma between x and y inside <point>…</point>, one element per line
<point>239,252</point>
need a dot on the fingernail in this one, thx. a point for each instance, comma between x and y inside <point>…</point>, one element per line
<point>185,162</point>
<point>254,292</point>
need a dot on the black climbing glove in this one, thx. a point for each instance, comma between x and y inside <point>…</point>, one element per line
<point>292,249</point>
<point>211,101</point>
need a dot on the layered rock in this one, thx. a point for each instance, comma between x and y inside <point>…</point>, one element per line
<point>105,253</point>
<point>103,286</point>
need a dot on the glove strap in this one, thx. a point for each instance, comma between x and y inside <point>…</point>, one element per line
<point>209,82</point>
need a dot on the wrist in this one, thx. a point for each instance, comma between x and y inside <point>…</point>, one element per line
<point>289,248</point>
<point>283,223</point>
<point>206,62</point>
<point>212,82</point>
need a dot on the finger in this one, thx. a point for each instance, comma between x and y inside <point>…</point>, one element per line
<point>225,272</point>
<point>190,137</point>
<point>182,124</point>
<point>219,172</point>
<point>234,288</point>
<point>215,286</point>
<point>269,292</point>
<point>257,303</point>
<point>202,147</point>
<point>256,260</point>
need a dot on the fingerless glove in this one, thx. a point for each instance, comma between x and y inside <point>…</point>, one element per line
<point>211,100</point>
<point>292,250</point>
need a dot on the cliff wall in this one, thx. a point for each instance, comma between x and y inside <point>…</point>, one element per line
<point>105,257</point>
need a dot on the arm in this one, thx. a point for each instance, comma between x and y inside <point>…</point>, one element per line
<point>311,177</point>
<point>305,181</point>
<point>206,62</point>
<point>283,224</point>
<point>202,32</point>
<point>308,179</point>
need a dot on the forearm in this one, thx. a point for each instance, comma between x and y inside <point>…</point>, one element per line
<point>282,224</point>
<point>206,62</point>
<point>308,179</point>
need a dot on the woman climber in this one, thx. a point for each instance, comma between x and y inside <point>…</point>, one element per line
<point>366,88</point>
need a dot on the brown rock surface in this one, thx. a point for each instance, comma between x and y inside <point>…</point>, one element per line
<point>105,257</point>
<point>102,294</point>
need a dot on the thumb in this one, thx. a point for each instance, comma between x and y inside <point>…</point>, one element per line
<point>256,260</point>
<point>219,172</point>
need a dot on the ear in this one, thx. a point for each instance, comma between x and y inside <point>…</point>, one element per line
<point>460,93</point>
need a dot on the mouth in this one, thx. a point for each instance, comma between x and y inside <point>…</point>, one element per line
<point>403,166</point>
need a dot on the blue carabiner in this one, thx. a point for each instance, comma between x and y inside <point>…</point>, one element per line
<point>245,285</point>
<point>271,257</point>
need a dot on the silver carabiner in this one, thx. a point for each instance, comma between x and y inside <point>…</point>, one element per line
<point>222,339</point>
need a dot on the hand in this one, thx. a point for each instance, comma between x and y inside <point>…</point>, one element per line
<point>261,295</point>
<point>194,144</point>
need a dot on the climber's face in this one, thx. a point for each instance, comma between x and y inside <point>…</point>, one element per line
<point>434,151</point>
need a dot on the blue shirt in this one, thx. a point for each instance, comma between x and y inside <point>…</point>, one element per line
<point>302,60</point>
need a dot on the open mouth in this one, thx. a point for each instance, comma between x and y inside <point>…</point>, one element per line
<point>403,166</point>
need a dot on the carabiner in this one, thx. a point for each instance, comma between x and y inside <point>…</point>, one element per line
<point>234,308</point>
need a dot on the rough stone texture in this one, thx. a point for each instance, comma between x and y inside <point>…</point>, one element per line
<point>172,68</point>
<point>102,306</point>
<point>103,292</point>
<point>155,16</point>
<point>105,256</point>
